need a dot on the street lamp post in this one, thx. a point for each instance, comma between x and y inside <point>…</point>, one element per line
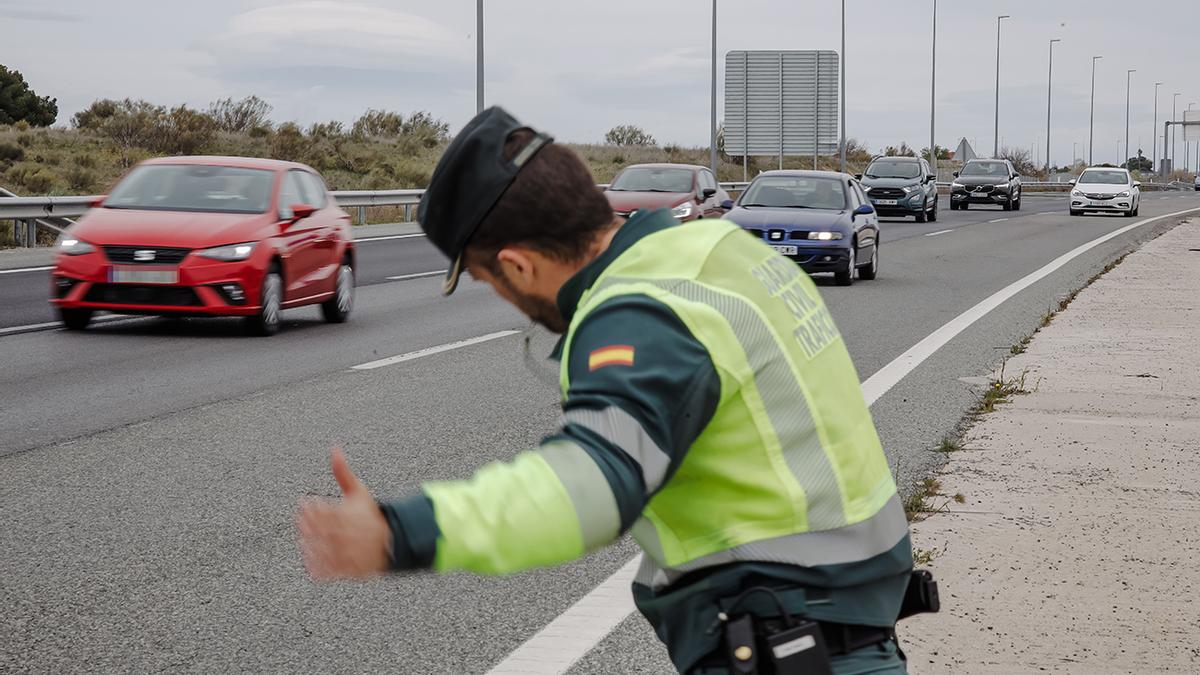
<point>1049,81</point>
<point>479,56</point>
<point>933,92</point>
<point>1174,98</point>
<point>1154,156</point>
<point>1092,115</point>
<point>842,159</point>
<point>713,121</point>
<point>996,135</point>
<point>1128,75</point>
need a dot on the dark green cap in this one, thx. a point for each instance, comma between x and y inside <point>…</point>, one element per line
<point>469,180</point>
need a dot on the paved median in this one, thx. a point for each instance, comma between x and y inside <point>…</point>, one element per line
<point>1072,548</point>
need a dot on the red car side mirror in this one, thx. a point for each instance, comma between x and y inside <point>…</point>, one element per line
<point>302,211</point>
<point>97,202</point>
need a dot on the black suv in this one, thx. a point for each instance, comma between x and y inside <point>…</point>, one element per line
<point>986,181</point>
<point>901,186</point>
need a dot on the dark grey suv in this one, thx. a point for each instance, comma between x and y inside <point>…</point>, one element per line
<point>986,181</point>
<point>901,186</point>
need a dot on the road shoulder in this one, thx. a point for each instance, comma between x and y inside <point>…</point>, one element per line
<point>1072,550</point>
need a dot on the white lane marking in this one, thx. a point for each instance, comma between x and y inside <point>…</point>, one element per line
<point>886,377</point>
<point>29,328</point>
<point>555,648</point>
<point>577,631</point>
<point>418,275</point>
<point>391,236</point>
<point>934,234</point>
<point>27,269</point>
<point>998,220</point>
<point>429,351</point>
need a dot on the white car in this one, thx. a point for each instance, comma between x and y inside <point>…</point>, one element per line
<point>1105,189</point>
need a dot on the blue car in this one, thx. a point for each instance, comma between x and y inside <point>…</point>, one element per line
<point>820,219</point>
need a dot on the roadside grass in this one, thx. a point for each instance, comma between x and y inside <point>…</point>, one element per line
<point>927,497</point>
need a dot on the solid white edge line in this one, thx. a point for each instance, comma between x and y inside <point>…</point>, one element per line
<point>934,234</point>
<point>27,269</point>
<point>390,236</point>
<point>566,639</point>
<point>429,351</point>
<point>886,377</point>
<point>418,275</point>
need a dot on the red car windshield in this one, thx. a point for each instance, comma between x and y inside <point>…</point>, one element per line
<point>193,187</point>
<point>653,179</point>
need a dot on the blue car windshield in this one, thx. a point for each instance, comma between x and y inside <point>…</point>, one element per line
<point>193,187</point>
<point>796,192</point>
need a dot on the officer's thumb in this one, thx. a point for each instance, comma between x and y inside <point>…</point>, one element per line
<point>350,484</point>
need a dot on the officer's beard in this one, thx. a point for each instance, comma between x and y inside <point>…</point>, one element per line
<point>539,310</point>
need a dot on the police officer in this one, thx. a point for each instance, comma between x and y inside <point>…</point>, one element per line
<point>710,409</point>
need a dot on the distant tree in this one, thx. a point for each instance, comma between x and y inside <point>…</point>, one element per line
<point>902,151</point>
<point>627,135</point>
<point>1139,163</point>
<point>93,116</point>
<point>18,102</point>
<point>240,116</point>
<point>1020,160</point>
<point>856,151</point>
<point>331,129</point>
<point>942,153</point>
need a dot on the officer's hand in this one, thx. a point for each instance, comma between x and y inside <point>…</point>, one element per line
<point>349,539</point>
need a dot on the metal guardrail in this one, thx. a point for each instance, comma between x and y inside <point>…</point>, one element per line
<point>33,212</point>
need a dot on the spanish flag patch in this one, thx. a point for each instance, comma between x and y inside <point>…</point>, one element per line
<point>616,355</point>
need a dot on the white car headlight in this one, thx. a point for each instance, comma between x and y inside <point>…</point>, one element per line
<point>1123,194</point>
<point>684,210</point>
<point>956,184</point>
<point>1076,193</point>
<point>824,236</point>
<point>230,253</point>
<point>910,188</point>
<point>73,246</point>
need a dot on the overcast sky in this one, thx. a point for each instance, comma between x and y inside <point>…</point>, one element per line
<point>576,69</point>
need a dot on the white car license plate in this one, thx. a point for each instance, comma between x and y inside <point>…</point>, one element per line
<point>1100,202</point>
<point>886,202</point>
<point>785,249</point>
<point>126,275</point>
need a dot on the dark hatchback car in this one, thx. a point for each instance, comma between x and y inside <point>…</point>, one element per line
<point>902,186</point>
<point>820,219</point>
<point>690,192</point>
<point>986,181</point>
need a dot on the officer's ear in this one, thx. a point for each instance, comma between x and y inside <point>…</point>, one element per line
<point>517,264</point>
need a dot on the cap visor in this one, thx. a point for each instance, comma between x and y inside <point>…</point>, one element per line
<point>451,281</point>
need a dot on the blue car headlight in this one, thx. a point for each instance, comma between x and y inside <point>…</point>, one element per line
<point>825,236</point>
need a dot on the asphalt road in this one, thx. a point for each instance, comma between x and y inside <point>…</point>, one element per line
<point>149,470</point>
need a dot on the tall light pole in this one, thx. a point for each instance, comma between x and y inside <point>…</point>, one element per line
<point>1187,160</point>
<point>1128,76</point>
<point>933,92</point>
<point>996,135</point>
<point>1092,115</point>
<point>842,160</point>
<point>1155,165</point>
<point>479,56</point>
<point>1074,153</point>
<point>1174,98</point>
<point>713,122</point>
<point>1049,83</point>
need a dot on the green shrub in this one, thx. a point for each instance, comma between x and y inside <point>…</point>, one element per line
<point>85,160</point>
<point>25,140</point>
<point>11,152</point>
<point>80,179</point>
<point>288,142</point>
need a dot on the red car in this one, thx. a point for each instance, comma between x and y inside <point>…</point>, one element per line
<point>690,192</point>
<point>208,236</point>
